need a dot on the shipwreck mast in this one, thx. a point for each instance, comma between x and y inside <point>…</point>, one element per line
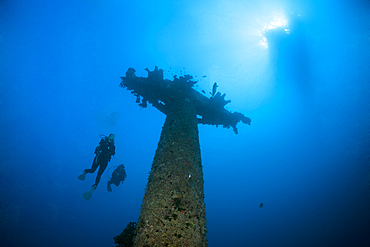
<point>173,210</point>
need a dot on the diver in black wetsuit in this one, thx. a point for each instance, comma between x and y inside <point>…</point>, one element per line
<point>104,152</point>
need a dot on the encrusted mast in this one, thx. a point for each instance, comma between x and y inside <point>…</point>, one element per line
<point>173,210</point>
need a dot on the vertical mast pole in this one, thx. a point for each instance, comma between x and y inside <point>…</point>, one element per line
<point>173,209</point>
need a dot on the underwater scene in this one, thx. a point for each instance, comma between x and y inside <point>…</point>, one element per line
<point>185,123</point>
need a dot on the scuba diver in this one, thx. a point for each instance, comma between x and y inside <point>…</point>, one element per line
<point>104,152</point>
<point>118,176</point>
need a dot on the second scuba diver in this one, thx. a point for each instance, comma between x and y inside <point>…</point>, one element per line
<point>118,176</point>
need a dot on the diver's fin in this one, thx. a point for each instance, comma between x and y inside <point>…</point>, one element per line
<point>82,176</point>
<point>87,195</point>
<point>109,187</point>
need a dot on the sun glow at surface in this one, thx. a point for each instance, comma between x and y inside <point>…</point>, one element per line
<point>275,23</point>
<point>226,38</point>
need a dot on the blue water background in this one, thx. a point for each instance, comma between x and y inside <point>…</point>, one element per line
<point>306,155</point>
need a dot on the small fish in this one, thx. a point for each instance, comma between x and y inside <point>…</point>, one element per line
<point>261,205</point>
<point>191,182</point>
<point>214,89</point>
<point>204,76</point>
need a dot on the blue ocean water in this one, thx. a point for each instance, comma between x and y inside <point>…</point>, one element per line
<point>298,69</point>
